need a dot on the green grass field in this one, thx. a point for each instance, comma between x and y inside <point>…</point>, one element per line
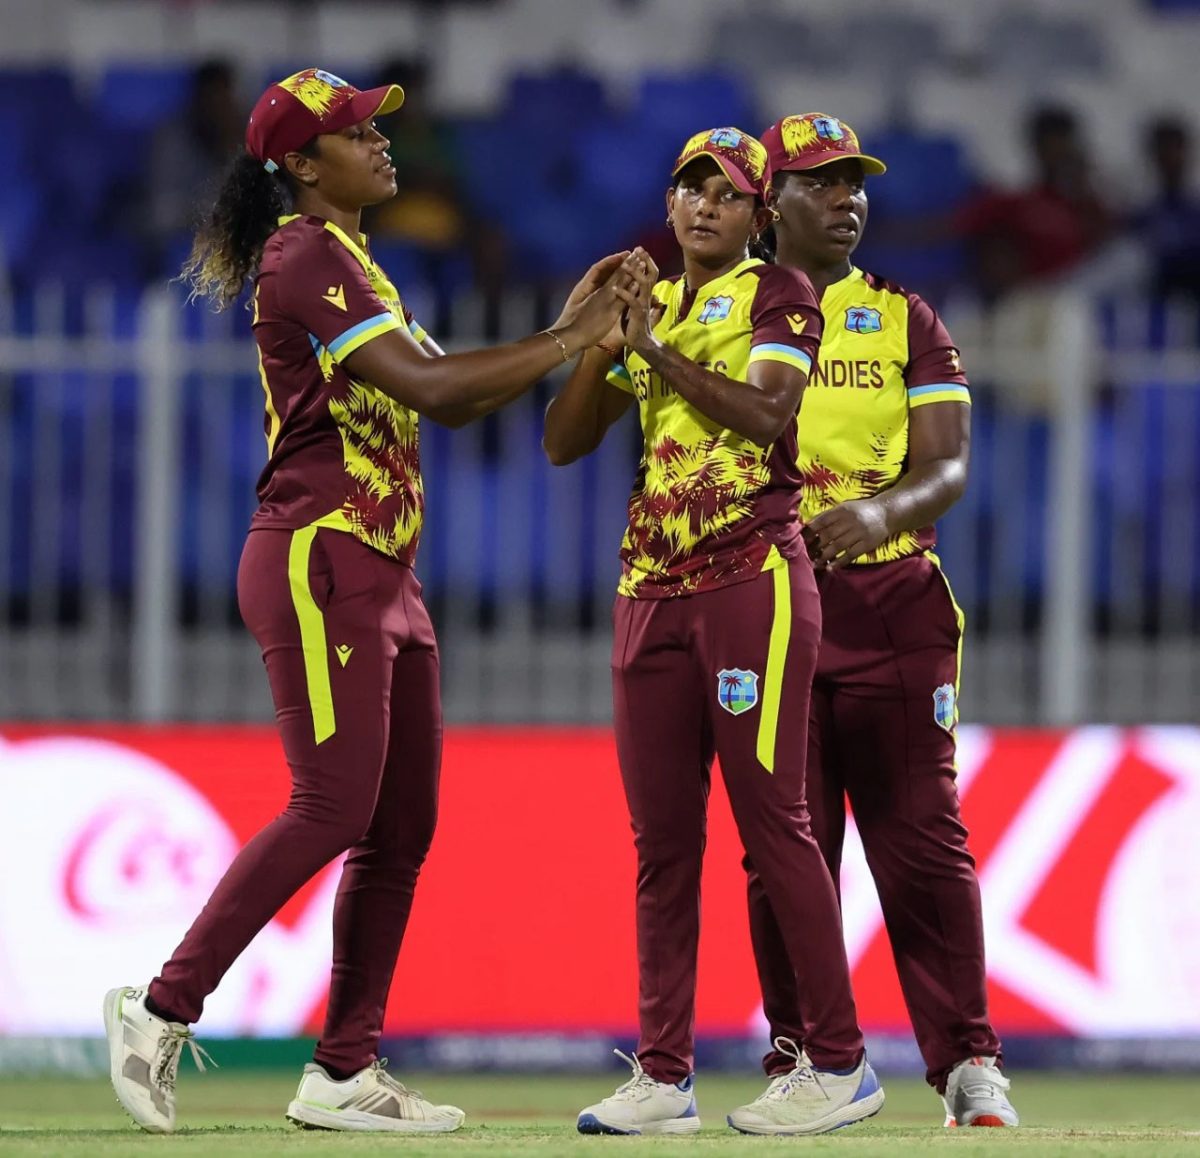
<point>242,1114</point>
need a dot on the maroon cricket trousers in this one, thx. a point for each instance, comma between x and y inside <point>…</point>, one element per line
<point>682,691</point>
<point>881,731</point>
<point>353,666</point>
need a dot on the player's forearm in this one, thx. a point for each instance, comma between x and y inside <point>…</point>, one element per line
<point>923,494</point>
<point>741,407</point>
<point>573,423</point>
<point>432,386</point>
<point>459,414</point>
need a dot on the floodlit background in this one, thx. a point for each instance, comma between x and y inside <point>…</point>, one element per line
<point>1042,192</point>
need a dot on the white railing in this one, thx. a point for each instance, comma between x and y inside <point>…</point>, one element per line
<point>130,436</point>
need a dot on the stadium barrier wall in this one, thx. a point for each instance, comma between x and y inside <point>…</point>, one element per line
<point>131,437</point>
<point>521,945</point>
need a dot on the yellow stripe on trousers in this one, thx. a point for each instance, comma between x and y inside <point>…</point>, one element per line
<point>312,635</point>
<point>781,634</point>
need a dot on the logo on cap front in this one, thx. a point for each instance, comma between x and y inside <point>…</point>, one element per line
<point>801,133</point>
<point>316,90</point>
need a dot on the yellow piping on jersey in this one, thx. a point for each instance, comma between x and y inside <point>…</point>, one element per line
<point>272,413</point>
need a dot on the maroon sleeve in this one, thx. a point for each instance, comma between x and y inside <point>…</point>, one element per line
<point>932,357</point>
<point>324,287</point>
<point>786,311</point>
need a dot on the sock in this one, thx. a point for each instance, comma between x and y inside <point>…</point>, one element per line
<point>336,1074</point>
<point>158,1011</point>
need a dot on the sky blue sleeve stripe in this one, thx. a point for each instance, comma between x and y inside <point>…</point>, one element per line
<point>938,387</point>
<point>353,332</point>
<point>618,371</point>
<point>778,348</point>
<point>777,351</point>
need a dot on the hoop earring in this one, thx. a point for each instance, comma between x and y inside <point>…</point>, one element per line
<point>775,214</point>
<point>670,222</point>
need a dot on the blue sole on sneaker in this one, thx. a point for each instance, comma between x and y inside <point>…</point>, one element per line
<point>590,1124</point>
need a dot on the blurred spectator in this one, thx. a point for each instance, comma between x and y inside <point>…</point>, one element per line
<point>1043,231</point>
<point>1169,225</point>
<point>190,152</point>
<point>428,217</point>
<point>427,211</point>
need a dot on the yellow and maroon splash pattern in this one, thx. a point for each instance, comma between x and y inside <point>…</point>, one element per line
<point>708,504</point>
<point>884,353</point>
<point>731,148</point>
<point>344,453</point>
<point>318,91</point>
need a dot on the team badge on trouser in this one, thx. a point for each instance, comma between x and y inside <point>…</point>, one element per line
<point>737,690</point>
<point>944,707</point>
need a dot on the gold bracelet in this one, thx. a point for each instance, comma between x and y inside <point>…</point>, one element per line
<point>561,344</point>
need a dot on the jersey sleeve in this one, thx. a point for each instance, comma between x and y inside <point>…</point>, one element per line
<point>785,319</point>
<point>324,287</point>
<point>415,328</point>
<point>934,372</point>
<point>618,376</point>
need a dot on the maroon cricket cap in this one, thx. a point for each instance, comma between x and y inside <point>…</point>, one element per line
<point>812,139</point>
<point>740,156</point>
<point>293,111</point>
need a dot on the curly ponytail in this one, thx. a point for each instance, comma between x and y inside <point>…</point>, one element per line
<point>229,244</point>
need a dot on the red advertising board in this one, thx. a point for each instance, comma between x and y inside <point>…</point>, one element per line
<point>524,913</point>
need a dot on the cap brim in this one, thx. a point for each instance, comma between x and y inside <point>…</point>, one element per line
<point>363,106</point>
<point>872,166</point>
<point>737,178</point>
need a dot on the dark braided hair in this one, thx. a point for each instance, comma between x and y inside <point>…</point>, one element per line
<point>228,245</point>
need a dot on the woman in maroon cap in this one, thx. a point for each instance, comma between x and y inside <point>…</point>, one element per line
<point>883,445</point>
<point>716,623</point>
<point>326,587</point>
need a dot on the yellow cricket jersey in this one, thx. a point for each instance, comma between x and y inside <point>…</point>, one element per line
<point>340,451</point>
<point>708,505</point>
<point>884,352</point>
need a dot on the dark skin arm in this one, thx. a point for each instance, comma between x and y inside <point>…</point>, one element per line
<point>759,413</point>
<point>939,446</point>
<point>456,388</point>
<point>579,417</point>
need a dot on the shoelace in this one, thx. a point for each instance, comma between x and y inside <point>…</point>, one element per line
<point>169,1052</point>
<point>802,1074</point>
<point>390,1083</point>
<point>639,1083</point>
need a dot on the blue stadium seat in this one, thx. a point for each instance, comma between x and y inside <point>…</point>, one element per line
<point>142,96</point>
<point>561,99</point>
<point>677,105</point>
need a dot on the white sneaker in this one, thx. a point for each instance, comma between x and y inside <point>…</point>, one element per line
<point>810,1101</point>
<point>371,1100</point>
<point>643,1106</point>
<point>976,1095</point>
<point>143,1058</point>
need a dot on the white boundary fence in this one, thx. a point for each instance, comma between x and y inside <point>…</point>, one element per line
<point>130,436</point>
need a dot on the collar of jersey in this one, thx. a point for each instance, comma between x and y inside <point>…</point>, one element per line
<point>843,283</point>
<point>359,248</point>
<point>709,289</point>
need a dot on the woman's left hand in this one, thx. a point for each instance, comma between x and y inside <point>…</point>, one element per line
<point>641,309</point>
<point>841,534</point>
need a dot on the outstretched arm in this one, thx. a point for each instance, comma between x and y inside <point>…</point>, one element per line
<point>456,388</point>
<point>579,417</point>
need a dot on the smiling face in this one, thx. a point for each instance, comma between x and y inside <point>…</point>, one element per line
<point>350,168</point>
<point>822,214</point>
<point>714,221</point>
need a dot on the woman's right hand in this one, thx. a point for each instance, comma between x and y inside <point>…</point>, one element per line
<point>597,316</point>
